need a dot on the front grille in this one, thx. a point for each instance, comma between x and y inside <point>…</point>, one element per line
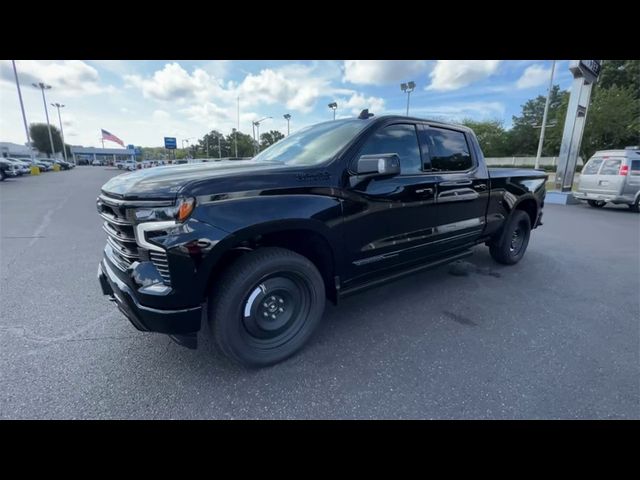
<point>121,240</point>
<point>119,230</point>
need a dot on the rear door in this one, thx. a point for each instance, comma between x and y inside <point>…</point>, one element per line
<point>589,175</point>
<point>609,180</point>
<point>462,186</point>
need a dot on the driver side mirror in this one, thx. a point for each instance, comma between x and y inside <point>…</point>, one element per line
<point>383,165</point>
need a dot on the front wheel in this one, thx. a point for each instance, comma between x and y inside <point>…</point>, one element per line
<point>509,248</point>
<point>266,306</point>
<point>596,203</point>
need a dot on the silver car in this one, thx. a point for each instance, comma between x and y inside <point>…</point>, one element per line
<point>611,176</point>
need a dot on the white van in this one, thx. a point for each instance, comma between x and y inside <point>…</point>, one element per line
<point>611,176</point>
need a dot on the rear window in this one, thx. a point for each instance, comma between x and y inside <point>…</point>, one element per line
<point>635,167</point>
<point>611,167</point>
<point>592,167</point>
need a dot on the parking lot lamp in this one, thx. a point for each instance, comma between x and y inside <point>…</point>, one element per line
<point>333,106</point>
<point>64,149</point>
<point>408,88</point>
<point>24,116</point>
<point>43,86</point>
<point>287,117</point>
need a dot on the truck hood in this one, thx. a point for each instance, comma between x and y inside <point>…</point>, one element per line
<point>168,181</point>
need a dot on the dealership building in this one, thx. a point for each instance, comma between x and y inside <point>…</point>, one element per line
<point>106,155</point>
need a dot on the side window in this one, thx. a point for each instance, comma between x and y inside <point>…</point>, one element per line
<point>635,167</point>
<point>592,166</point>
<point>401,139</point>
<point>611,167</point>
<point>448,150</point>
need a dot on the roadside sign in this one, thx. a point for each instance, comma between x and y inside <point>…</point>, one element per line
<point>170,143</point>
<point>130,147</point>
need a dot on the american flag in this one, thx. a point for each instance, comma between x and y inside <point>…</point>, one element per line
<point>110,136</point>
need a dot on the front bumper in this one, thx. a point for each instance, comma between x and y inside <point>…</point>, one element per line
<point>602,197</point>
<point>145,318</point>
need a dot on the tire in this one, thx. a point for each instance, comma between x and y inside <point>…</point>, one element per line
<point>596,203</point>
<point>512,244</point>
<point>2,176</point>
<point>265,306</point>
<point>635,206</point>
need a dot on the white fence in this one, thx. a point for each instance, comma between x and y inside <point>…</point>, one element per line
<point>525,161</point>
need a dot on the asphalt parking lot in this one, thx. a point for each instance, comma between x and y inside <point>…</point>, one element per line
<point>556,336</point>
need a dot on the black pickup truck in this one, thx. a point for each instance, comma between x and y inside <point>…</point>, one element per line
<point>256,247</point>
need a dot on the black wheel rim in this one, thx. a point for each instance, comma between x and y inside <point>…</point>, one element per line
<point>275,310</point>
<point>517,240</point>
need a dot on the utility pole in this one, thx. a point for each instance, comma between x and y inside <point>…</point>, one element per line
<point>219,148</point>
<point>544,117</point>
<point>24,116</point>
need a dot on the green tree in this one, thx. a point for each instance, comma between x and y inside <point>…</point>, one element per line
<point>523,137</point>
<point>613,120</point>
<point>620,73</point>
<point>269,138</point>
<point>491,136</point>
<point>40,137</point>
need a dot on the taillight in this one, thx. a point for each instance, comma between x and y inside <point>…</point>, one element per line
<point>624,170</point>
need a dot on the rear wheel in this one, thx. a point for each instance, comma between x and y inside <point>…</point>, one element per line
<point>266,306</point>
<point>509,248</point>
<point>2,175</point>
<point>635,206</point>
<point>596,203</point>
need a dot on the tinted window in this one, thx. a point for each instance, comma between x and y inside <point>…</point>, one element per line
<point>592,166</point>
<point>400,139</point>
<point>611,167</point>
<point>448,150</point>
<point>635,167</point>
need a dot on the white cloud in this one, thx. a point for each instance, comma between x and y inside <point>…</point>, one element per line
<point>160,115</point>
<point>359,102</point>
<point>455,74</point>
<point>534,76</point>
<point>172,83</point>
<point>66,77</point>
<point>382,72</point>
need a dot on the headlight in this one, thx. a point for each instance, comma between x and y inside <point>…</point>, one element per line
<point>179,212</point>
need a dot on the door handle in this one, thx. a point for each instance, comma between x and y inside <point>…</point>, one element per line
<point>424,190</point>
<point>480,186</point>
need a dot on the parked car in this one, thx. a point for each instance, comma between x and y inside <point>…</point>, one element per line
<point>47,163</point>
<point>64,165</point>
<point>42,166</point>
<point>7,169</point>
<point>24,168</point>
<point>97,163</point>
<point>611,176</point>
<point>330,210</point>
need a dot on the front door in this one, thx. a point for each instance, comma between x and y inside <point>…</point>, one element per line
<point>390,221</point>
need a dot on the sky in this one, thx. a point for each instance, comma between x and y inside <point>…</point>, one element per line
<point>143,101</point>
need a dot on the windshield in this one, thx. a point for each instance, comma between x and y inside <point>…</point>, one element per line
<point>313,145</point>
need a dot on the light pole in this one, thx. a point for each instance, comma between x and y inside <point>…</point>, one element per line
<point>43,86</point>
<point>544,117</point>
<point>333,106</point>
<point>408,87</point>
<point>257,125</point>
<point>235,138</point>
<point>24,116</point>
<point>219,147</point>
<point>64,149</point>
<point>287,117</point>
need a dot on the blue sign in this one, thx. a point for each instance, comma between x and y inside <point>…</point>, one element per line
<point>130,147</point>
<point>170,143</point>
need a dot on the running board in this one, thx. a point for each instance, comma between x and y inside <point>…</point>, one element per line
<point>394,276</point>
